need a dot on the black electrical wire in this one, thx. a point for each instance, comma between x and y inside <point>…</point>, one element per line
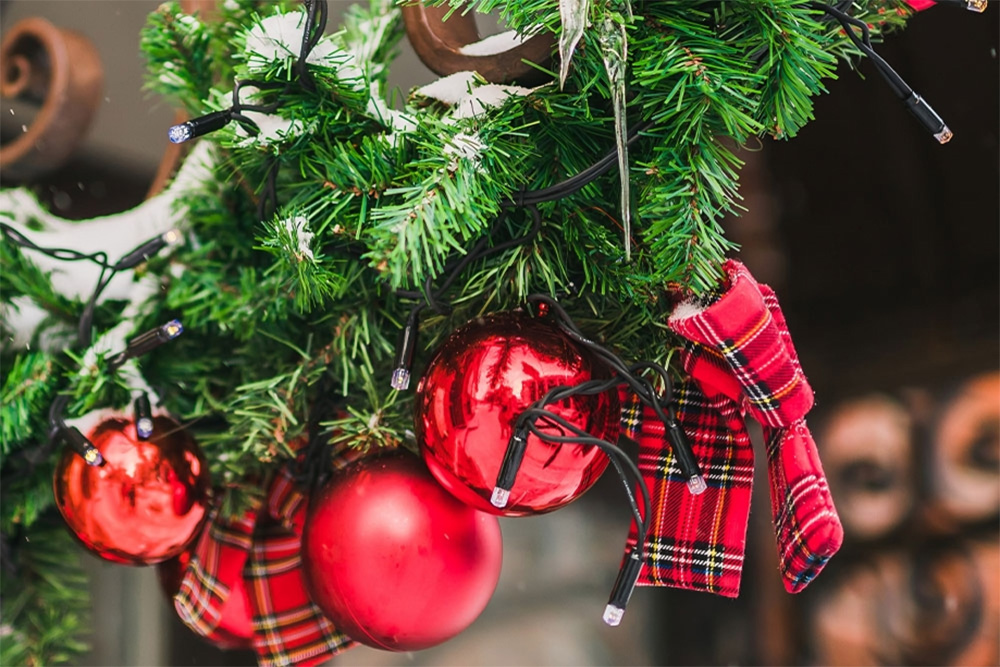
<point>864,44</point>
<point>58,430</point>
<point>63,254</point>
<point>614,453</point>
<point>576,182</point>
<point>644,389</point>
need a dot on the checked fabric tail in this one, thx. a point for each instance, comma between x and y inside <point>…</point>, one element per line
<point>740,362</point>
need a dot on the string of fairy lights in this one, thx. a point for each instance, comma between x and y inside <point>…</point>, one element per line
<point>536,420</point>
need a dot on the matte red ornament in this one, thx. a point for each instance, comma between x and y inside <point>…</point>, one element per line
<point>235,629</point>
<point>478,383</point>
<point>394,560</point>
<point>146,503</point>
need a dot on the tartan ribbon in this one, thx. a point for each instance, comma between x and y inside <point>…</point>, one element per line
<point>263,548</point>
<point>694,542</point>
<point>806,524</point>
<point>741,328</point>
<point>740,360</point>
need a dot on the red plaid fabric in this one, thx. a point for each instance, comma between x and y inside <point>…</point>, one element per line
<point>740,359</point>
<point>215,566</point>
<point>808,529</point>
<point>694,542</point>
<point>288,628</point>
<point>740,328</point>
<point>264,549</point>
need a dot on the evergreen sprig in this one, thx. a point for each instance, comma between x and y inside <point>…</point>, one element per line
<point>375,203</point>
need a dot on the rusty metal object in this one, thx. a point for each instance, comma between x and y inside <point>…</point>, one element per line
<point>965,446</point>
<point>60,70</point>
<point>439,44</point>
<point>868,456</point>
<point>935,605</point>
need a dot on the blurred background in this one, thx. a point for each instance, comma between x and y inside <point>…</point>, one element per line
<point>884,248</point>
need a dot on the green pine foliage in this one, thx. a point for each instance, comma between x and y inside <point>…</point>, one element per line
<point>372,199</point>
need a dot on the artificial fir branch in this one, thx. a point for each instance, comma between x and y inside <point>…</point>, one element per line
<point>371,198</point>
<point>45,599</point>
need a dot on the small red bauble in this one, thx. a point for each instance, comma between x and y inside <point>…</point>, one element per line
<point>148,500</point>
<point>394,560</point>
<point>483,377</point>
<point>235,629</point>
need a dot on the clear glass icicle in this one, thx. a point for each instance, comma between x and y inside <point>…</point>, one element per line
<point>614,51</point>
<point>573,16</point>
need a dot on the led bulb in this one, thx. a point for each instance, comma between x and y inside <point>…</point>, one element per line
<point>500,497</point>
<point>696,485</point>
<point>172,329</point>
<point>178,134</point>
<point>172,237</point>
<point>144,428</point>
<point>613,615</point>
<point>93,457</point>
<point>199,126</point>
<point>400,379</point>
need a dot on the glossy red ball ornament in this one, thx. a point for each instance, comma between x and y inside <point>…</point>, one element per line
<point>478,383</point>
<point>394,560</point>
<point>235,629</point>
<point>146,503</point>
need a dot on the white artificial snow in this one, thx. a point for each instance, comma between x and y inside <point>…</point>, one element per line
<point>279,37</point>
<point>396,121</point>
<point>189,21</point>
<point>299,228</point>
<point>685,310</point>
<point>273,129</point>
<point>231,5</point>
<point>373,33</point>
<point>485,97</point>
<point>494,44</point>
<point>449,89</point>
<point>113,234</point>
<point>468,96</point>
<point>464,147</point>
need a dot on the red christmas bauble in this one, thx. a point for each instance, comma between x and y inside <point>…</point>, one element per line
<point>235,629</point>
<point>394,560</point>
<point>478,383</point>
<point>148,500</point>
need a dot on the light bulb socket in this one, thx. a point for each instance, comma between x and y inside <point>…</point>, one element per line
<point>509,467</point>
<point>621,593</point>
<point>978,6</point>
<point>143,416</point>
<point>682,451</point>
<point>929,118</point>
<point>404,352</point>
<point>196,127</point>
<point>81,445</point>
<point>150,340</point>
<point>147,250</point>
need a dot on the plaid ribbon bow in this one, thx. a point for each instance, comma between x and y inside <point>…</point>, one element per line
<point>740,360</point>
<point>263,548</point>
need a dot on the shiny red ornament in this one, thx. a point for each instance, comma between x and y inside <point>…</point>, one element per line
<point>394,560</point>
<point>478,383</point>
<point>235,629</point>
<point>146,503</point>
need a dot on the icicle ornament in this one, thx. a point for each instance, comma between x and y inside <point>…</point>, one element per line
<point>573,18</point>
<point>614,52</point>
